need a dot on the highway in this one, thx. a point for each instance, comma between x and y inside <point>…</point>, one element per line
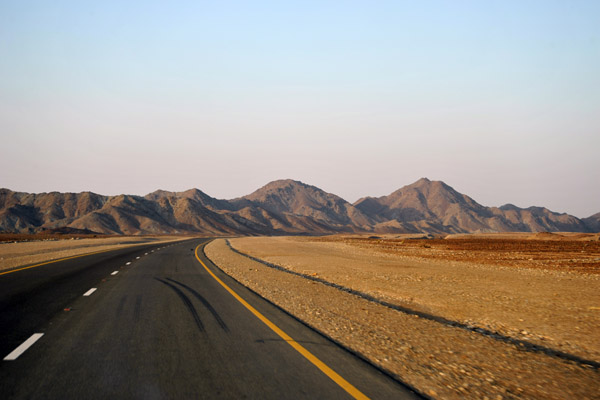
<point>162,322</point>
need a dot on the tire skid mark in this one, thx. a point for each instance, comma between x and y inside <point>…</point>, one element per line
<point>121,305</point>
<point>138,307</point>
<point>187,302</point>
<point>204,302</point>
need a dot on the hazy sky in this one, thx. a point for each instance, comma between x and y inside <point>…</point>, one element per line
<point>499,99</point>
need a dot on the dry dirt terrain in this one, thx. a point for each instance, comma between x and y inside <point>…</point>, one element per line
<point>15,253</point>
<point>512,316</point>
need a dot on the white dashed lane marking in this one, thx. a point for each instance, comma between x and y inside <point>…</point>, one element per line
<point>129,263</point>
<point>23,347</point>
<point>115,272</point>
<point>89,292</point>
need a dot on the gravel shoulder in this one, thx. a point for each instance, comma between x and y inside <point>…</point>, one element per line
<point>553,308</point>
<point>26,253</point>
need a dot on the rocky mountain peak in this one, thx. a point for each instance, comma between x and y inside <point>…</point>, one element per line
<point>280,207</point>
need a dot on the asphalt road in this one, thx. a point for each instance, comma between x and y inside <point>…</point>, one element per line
<point>168,325</point>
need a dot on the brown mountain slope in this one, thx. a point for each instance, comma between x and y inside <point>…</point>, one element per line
<point>280,207</point>
<point>433,206</point>
<point>192,194</point>
<point>428,206</point>
<point>538,219</point>
<point>593,222</point>
<point>168,214</point>
<point>294,199</point>
<point>22,212</point>
<point>194,211</point>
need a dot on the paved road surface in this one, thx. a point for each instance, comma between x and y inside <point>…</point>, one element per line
<point>163,327</point>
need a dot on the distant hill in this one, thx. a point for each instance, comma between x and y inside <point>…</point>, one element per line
<point>280,207</point>
<point>436,207</point>
<point>593,222</point>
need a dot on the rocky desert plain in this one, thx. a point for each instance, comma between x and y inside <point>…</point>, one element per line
<point>455,299</point>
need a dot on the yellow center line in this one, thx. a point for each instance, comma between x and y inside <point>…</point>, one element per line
<point>334,376</point>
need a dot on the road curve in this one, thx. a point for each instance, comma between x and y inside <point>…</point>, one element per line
<point>165,325</point>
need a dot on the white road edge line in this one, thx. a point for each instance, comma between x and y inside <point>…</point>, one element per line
<point>92,290</point>
<point>114,272</point>
<point>23,347</point>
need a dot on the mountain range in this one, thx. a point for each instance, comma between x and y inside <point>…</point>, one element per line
<point>280,207</point>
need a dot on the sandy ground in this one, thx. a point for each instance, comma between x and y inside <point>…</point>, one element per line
<point>26,253</point>
<point>561,308</point>
<point>557,307</point>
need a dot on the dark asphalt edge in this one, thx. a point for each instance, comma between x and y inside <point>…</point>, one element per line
<point>340,345</point>
<point>519,343</point>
